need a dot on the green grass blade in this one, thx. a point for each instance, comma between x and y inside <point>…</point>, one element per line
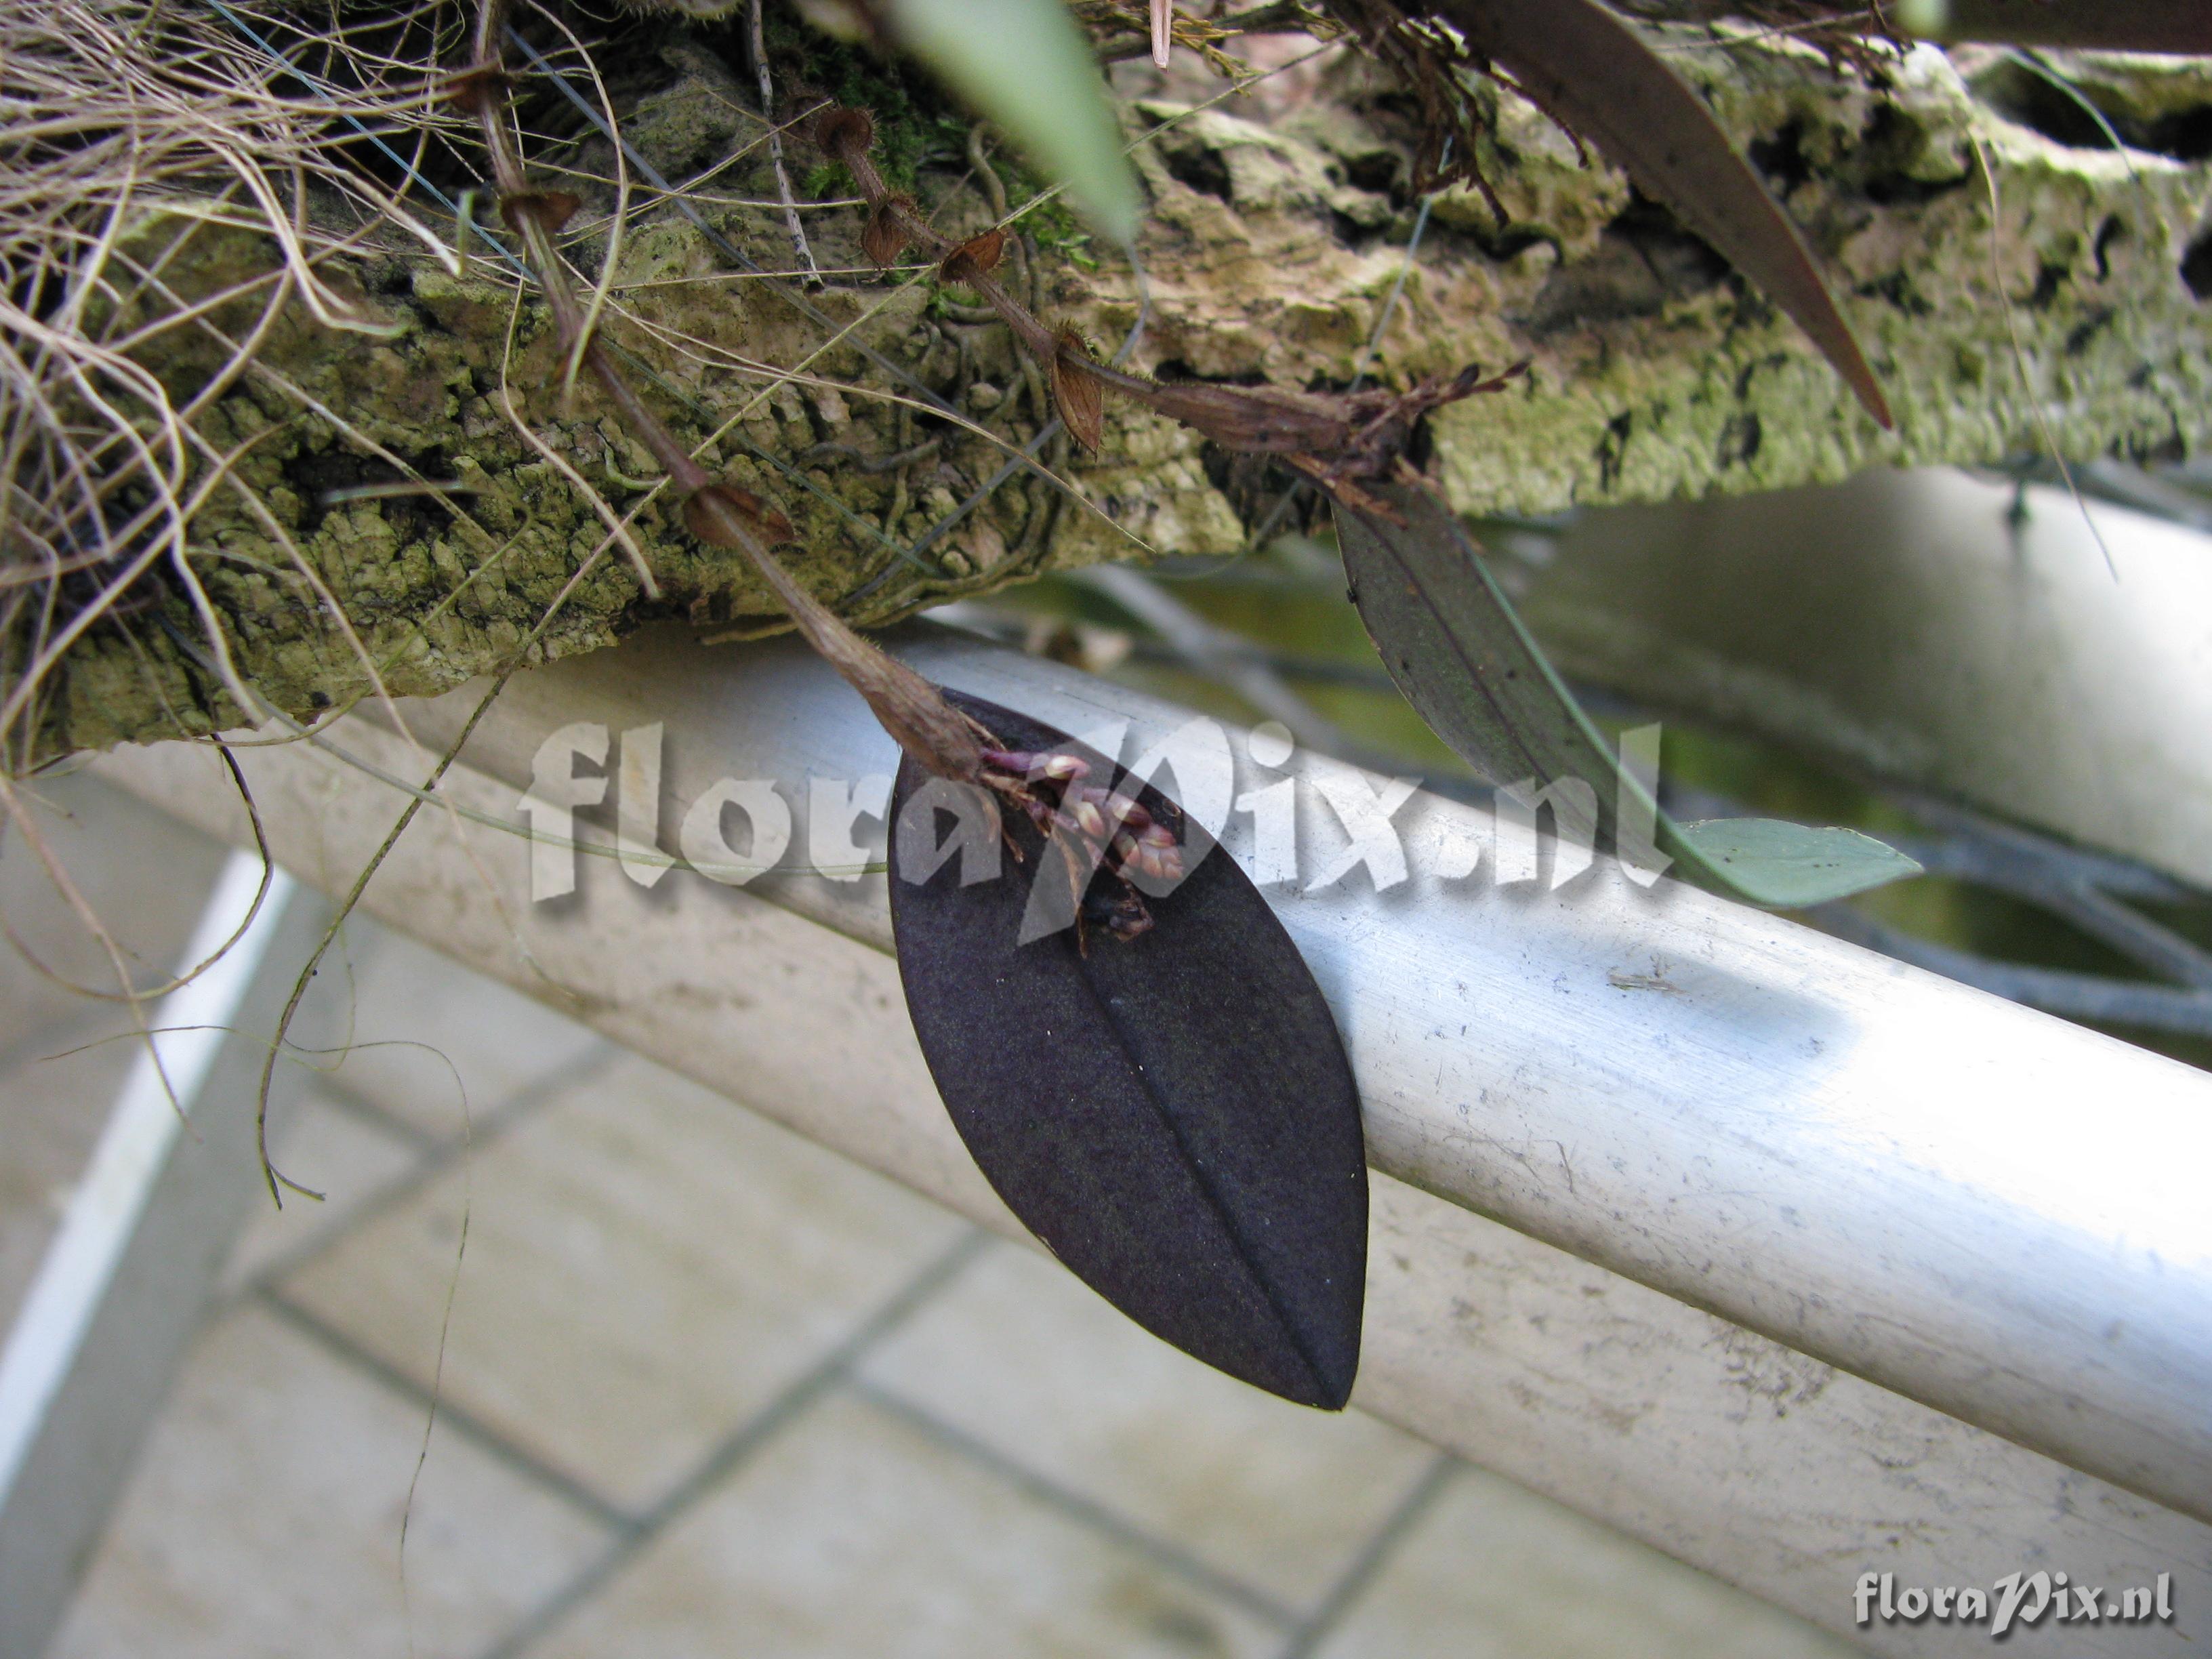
<point>1025,65</point>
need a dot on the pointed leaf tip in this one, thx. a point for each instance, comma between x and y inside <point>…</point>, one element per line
<point>1589,68</point>
<point>1788,866</point>
<point>1194,1158</point>
<point>1454,646</point>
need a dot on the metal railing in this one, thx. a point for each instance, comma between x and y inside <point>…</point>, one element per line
<point>1790,1259</point>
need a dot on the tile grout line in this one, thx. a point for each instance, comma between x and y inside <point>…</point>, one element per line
<point>357,1104</point>
<point>531,1091</point>
<point>433,1158</point>
<point>724,1460</point>
<point>459,1418</point>
<point>1087,1511</point>
<point>1369,1562</point>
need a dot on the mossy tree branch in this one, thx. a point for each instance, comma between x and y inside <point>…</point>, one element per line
<point>1951,207</point>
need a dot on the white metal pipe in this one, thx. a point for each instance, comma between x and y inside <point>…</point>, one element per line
<point>1759,1463</point>
<point>1915,624</point>
<point>1986,1209</point>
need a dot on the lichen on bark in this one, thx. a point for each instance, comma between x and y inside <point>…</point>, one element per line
<point>1277,238</point>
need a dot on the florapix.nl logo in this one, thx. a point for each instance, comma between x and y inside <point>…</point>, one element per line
<point>1308,824</point>
<point>2017,1600</point>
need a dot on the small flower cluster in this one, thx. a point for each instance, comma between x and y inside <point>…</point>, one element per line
<point>1054,790</point>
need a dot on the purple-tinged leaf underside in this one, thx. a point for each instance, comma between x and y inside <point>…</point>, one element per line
<point>1452,641</point>
<point>1589,69</point>
<point>2182,27</point>
<point>1173,1116</point>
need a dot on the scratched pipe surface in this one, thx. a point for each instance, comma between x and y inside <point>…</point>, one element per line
<point>1732,1451</point>
<point>1978,1206</point>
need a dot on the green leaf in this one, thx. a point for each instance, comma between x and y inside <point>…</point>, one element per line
<point>1452,641</point>
<point>1785,866</point>
<point>2165,26</point>
<point>1589,69</point>
<point>1025,65</point>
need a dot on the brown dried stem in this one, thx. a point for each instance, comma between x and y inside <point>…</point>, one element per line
<point>810,275</point>
<point>1334,438</point>
<point>910,709</point>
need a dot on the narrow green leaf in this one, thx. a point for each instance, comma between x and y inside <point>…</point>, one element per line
<point>1785,866</point>
<point>2171,25</point>
<point>1589,69</point>
<point>1456,647</point>
<point>1025,65</point>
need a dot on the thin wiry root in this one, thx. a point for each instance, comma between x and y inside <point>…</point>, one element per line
<point>112,105</point>
<point>117,108</point>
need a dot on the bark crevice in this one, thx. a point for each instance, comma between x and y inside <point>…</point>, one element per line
<point>1277,234</point>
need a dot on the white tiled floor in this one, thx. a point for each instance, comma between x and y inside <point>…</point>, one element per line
<point>333,1144</point>
<point>1264,1492</point>
<point>268,1506</point>
<point>707,1389</point>
<point>856,1532</point>
<point>1491,1572</point>
<point>434,1049</point>
<point>647,1270</point>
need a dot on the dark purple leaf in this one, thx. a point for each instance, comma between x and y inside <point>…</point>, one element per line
<point>2172,25</point>
<point>1173,1115</point>
<point>1591,69</point>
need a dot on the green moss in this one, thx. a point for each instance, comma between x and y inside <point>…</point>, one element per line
<point>1637,392</point>
<point>1059,235</point>
<point>916,125</point>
